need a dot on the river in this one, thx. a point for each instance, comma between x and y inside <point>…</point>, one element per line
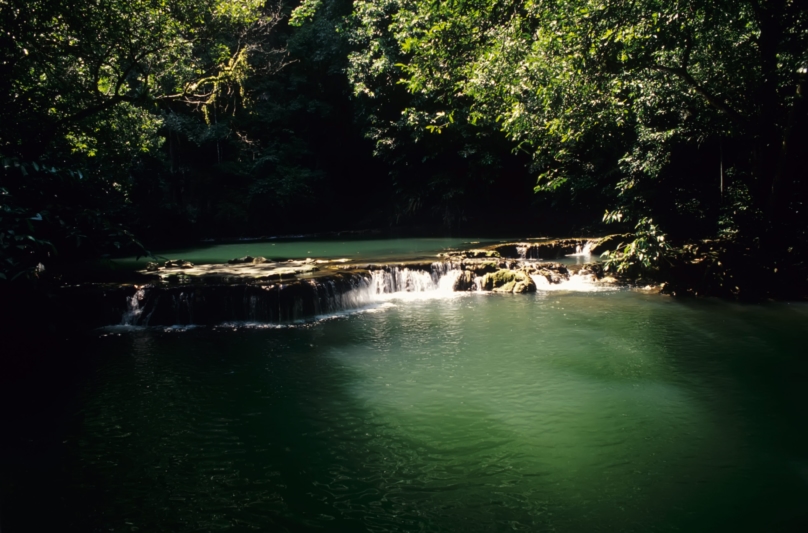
<point>571,410</point>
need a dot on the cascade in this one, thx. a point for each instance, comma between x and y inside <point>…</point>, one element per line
<point>221,303</point>
<point>134,308</point>
<point>282,302</point>
<point>584,250</point>
<point>528,252</point>
<point>396,280</point>
<point>302,299</point>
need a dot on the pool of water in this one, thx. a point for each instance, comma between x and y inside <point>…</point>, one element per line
<point>558,411</point>
<point>355,249</point>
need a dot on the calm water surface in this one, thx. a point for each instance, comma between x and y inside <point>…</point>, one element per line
<point>569,412</point>
<point>360,249</point>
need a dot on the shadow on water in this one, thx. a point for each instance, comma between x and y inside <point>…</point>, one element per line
<point>554,412</point>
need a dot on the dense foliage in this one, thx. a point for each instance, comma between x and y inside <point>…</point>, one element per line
<point>86,90</point>
<point>622,93</point>
<point>681,120</point>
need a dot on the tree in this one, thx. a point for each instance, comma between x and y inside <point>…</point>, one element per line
<point>86,87</point>
<point>620,93</point>
<point>436,175</point>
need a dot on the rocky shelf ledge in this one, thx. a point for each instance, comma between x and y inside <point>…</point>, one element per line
<point>257,289</point>
<point>481,261</point>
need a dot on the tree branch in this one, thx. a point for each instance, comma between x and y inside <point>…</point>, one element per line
<point>711,99</point>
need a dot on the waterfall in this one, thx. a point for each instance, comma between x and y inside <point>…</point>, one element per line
<point>286,302</point>
<point>396,280</point>
<point>134,308</point>
<point>303,299</point>
<point>583,251</point>
<point>522,249</point>
<point>527,251</point>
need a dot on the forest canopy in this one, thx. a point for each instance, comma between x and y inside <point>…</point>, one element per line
<point>680,121</point>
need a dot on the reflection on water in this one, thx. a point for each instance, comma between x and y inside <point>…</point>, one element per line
<point>549,412</point>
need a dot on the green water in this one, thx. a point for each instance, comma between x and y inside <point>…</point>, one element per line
<point>568,412</point>
<point>353,249</point>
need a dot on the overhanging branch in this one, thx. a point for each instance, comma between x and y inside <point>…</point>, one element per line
<point>711,99</point>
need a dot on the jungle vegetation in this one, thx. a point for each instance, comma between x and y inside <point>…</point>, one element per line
<point>130,125</point>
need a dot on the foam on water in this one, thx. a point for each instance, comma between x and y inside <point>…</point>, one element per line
<point>576,283</point>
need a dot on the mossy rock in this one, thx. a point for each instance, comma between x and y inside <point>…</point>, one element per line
<point>485,267</point>
<point>508,281</point>
<point>497,279</point>
<point>611,243</point>
<point>508,287</point>
<point>524,286</point>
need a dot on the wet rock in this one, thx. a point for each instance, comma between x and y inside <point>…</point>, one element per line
<point>508,281</point>
<point>611,243</point>
<point>178,263</point>
<point>497,279</point>
<point>480,269</point>
<point>464,282</point>
<point>471,254</point>
<point>553,272</point>
<point>550,249</point>
<point>524,286</point>
<point>551,276</point>
<point>508,287</point>
<point>152,267</point>
<point>258,260</point>
<point>241,260</point>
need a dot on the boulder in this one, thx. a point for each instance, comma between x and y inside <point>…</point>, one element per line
<point>508,281</point>
<point>152,267</point>
<point>508,287</point>
<point>258,260</point>
<point>611,243</point>
<point>497,279</point>
<point>524,286</point>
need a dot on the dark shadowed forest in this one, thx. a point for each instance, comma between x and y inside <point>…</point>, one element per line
<point>131,126</point>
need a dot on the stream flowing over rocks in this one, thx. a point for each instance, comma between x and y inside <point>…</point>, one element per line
<point>261,290</point>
